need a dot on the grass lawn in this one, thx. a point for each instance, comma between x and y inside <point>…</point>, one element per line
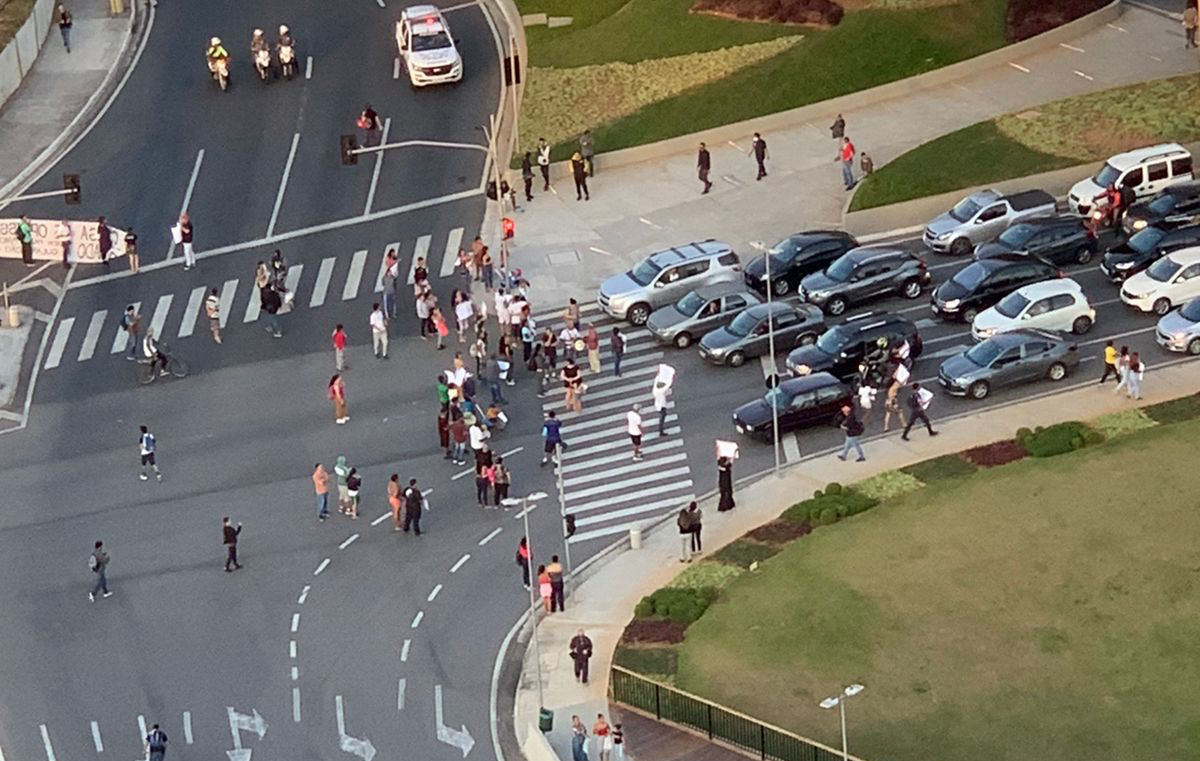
<point>1058,134</point>
<point>1045,609</point>
<point>13,14</point>
<point>870,47</point>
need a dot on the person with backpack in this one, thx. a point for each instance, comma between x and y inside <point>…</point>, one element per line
<point>156,744</point>
<point>684,523</point>
<point>918,404</point>
<point>98,564</point>
<point>24,233</point>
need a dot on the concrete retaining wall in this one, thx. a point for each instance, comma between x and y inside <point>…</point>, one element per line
<point>919,211</point>
<point>827,109</point>
<point>21,52</point>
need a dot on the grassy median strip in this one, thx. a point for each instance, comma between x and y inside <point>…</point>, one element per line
<point>1058,134</point>
<point>13,14</point>
<point>870,47</point>
<point>1047,607</point>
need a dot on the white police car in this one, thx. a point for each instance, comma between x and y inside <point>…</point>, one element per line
<point>426,47</point>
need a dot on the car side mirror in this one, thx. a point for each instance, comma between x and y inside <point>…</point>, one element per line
<point>659,283</point>
<point>1025,316</point>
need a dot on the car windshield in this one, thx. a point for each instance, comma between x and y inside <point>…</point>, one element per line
<point>841,269</point>
<point>832,341</point>
<point>971,276</point>
<point>778,397</point>
<point>1108,175</point>
<point>1144,241</point>
<point>690,304</point>
<point>983,354</point>
<point>1163,204</point>
<point>782,253</point>
<point>1163,270</point>
<point>1012,305</point>
<point>645,272</point>
<point>1015,236</point>
<point>1191,311</point>
<point>965,209</point>
<point>743,324</point>
<point>436,41</point>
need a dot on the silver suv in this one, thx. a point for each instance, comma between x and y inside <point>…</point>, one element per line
<point>666,276</point>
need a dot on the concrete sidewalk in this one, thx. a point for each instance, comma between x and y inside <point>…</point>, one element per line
<point>62,91</point>
<point>603,602</point>
<point>569,246</point>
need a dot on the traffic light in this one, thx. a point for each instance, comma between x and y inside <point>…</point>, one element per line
<point>570,519</point>
<point>509,227</point>
<point>71,185</point>
<point>349,146</point>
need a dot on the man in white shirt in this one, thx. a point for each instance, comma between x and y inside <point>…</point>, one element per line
<point>64,240</point>
<point>567,339</point>
<point>479,436</point>
<point>379,336</point>
<point>633,420</point>
<point>662,388</point>
<point>212,308</point>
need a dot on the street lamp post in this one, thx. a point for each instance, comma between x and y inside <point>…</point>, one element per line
<point>775,443</point>
<point>537,646</point>
<point>562,507</point>
<point>839,702</point>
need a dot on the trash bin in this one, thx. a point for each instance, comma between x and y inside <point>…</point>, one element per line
<point>545,720</point>
<point>14,317</point>
<point>635,538</point>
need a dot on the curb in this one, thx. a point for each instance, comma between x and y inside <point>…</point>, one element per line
<point>827,108</point>
<point>82,122</point>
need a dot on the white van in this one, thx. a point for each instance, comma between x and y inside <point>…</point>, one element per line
<point>1145,170</point>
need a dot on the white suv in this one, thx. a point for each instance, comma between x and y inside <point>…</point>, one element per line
<point>1144,170</point>
<point>1049,305</point>
<point>426,47</point>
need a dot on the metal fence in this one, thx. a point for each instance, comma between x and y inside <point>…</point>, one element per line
<point>665,703</point>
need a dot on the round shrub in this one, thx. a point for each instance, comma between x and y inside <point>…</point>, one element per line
<point>1023,433</point>
<point>827,516</point>
<point>834,488</point>
<point>818,494</point>
<point>1092,438</point>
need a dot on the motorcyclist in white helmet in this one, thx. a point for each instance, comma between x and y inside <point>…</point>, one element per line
<point>285,49</point>
<point>215,52</point>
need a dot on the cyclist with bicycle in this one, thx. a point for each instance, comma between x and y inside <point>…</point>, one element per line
<point>152,353</point>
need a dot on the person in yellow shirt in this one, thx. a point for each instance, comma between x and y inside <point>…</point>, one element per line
<point>1110,363</point>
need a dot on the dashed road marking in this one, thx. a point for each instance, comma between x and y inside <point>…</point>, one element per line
<point>228,290</point>
<point>1155,58</point>
<point>296,704</point>
<point>461,562</point>
<point>1118,28</point>
<point>434,593</point>
<point>645,221</point>
<point>187,325</point>
<point>92,337</point>
<point>54,356</point>
<point>381,519</point>
<point>308,68</point>
<point>287,172</point>
<point>159,318</point>
<point>141,727</point>
<point>417,619</point>
<point>324,564</point>
<point>400,686</point>
<point>187,727</point>
<point>96,740</point>
<point>46,742</point>
<point>349,541</point>
<point>295,673</point>
<point>1071,47</point>
<point>404,651</point>
<point>354,277</point>
<point>396,67</point>
<point>295,622</point>
<point>321,287</point>
<point>1079,73</point>
<point>303,594</point>
<point>450,255</point>
<point>292,649</point>
<point>600,251</point>
<point>1018,67</point>
<point>490,536</point>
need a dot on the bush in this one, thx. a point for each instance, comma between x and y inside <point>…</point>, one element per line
<point>1027,18</point>
<point>834,488</point>
<point>827,516</point>
<point>686,605</point>
<point>661,661</point>
<point>996,453</point>
<point>888,485</point>
<point>1123,422</point>
<point>1174,411</point>
<point>1057,439</point>
<point>709,574</point>
<point>940,468</point>
<point>661,630</point>
<point>844,502</point>
<point>744,552</point>
<point>817,12</point>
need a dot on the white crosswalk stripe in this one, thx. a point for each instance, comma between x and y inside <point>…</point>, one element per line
<point>228,292</point>
<point>420,251</point>
<point>453,243</point>
<point>161,309</point>
<point>354,277</point>
<point>92,337</point>
<point>253,305</point>
<point>59,344</point>
<point>191,312</point>
<point>321,287</point>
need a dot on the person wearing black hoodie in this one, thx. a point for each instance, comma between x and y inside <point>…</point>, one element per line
<point>848,421</point>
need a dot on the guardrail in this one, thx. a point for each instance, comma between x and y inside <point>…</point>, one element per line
<point>718,723</point>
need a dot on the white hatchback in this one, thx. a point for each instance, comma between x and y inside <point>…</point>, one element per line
<point>1058,305</point>
<point>426,47</point>
<point>1172,280</point>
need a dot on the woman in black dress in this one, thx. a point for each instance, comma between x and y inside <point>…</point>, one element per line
<point>725,484</point>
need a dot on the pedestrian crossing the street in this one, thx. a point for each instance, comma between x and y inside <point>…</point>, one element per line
<point>176,315</point>
<point>605,490</point>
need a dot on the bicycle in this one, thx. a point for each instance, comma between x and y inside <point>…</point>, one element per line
<point>147,371</point>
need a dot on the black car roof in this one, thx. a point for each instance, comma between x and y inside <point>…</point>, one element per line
<point>814,236</point>
<point>809,382</point>
<point>868,320</point>
<point>1187,231</point>
<point>867,253</point>
<point>1191,188</point>
<point>1052,220</point>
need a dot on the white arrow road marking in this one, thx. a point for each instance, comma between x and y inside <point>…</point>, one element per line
<point>99,743</point>
<point>249,723</point>
<point>239,754</point>
<point>459,738</point>
<point>360,747</point>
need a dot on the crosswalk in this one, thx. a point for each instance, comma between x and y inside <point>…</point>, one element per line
<point>603,488</point>
<point>175,315</point>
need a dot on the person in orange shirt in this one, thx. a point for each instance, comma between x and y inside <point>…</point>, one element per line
<point>847,159</point>
<point>320,478</point>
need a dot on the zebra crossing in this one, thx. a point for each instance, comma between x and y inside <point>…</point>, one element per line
<point>602,487</point>
<point>175,315</point>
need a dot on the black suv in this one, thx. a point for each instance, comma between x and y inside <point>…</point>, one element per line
<point>796,256</point>
<point>1060,240</point>
<point>862,274</point>
<point>981,284</point>
<point>1144,248</point>
<point>1171,207</point>
<point>841,349</point>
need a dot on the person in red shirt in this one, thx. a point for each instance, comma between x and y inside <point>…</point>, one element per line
<point>339,347</point>
<point>847,159</point>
